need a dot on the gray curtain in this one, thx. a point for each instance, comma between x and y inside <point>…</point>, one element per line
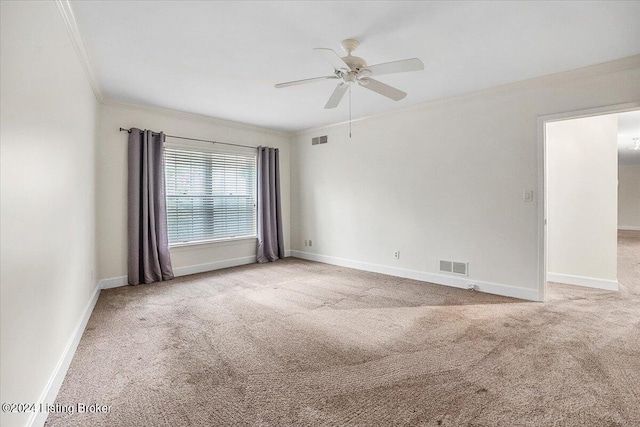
<point>148,253</point>
<point>270,240</point>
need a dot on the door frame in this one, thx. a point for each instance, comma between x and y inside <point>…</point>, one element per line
<point>542,170</point>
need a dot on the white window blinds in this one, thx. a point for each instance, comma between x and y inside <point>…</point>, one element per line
<point>209,195</point>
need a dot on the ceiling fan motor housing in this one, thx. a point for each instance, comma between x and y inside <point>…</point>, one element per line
<point>354,62</point>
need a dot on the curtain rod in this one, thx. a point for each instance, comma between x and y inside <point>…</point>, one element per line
<point>196,139</point>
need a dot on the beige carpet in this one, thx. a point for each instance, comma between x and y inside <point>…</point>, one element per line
<point>308,344</point>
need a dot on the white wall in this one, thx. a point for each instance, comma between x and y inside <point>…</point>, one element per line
<point>629,196</point>
<point>112,184</point>
<point>444,180</point>
<point>48,138</point>
<point>582,205</point>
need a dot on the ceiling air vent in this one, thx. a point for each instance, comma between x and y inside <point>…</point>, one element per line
<point>454,267</point>
<point>319,140</point>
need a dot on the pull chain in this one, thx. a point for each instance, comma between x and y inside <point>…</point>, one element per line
<point>349,111</point>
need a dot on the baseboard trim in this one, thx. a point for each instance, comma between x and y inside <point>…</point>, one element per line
<point>439,279</point>
<point>629,227</point>
<point>210,266</point>
<point>113,282</point>
<point>591,282</point>
<point>116,282</point>
<point>50,391</point>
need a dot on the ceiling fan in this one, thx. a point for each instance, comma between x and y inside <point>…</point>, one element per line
<point>352,69</point>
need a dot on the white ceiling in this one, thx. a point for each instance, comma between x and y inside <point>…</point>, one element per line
<point>628,129</point>
<point>222,59</point>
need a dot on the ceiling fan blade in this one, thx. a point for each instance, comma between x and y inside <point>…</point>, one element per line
<point>382,89</point>
<point>403,66</point>
<point>301,82</point>
<point>336,96</point>
<point>332,58</point>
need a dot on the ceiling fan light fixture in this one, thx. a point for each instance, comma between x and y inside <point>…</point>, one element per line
<point>350,78</point>
<point>352,69</point>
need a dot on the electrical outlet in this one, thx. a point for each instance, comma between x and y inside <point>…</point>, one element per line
<point>396,255</point>
<point>527,196</point>
<point>306,243</point>
<point>310,242</point>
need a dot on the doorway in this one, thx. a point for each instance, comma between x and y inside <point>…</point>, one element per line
<point>577,197</point>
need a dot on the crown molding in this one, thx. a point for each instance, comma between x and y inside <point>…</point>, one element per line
<point>64,6</point>
<point>68,16</point>
<point>194,116</point>
<point>626,63</point>
<point>72,28</point>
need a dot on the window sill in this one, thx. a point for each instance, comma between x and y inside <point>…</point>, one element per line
<point>203,244</point>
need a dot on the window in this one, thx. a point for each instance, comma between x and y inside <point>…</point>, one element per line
<point>210,195</point>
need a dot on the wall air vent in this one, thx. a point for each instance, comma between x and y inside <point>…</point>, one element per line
<point>446,266</point>
<point>454,267</point>
<point>319,140</point>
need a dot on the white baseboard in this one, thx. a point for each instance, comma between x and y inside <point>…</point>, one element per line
<point>116,282</point>
<point>439,279</point>
<point>50,391</point>
<point>210,266</point>
<point>113,282</point>
<point>629,227</point>
<point>591,282</point>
